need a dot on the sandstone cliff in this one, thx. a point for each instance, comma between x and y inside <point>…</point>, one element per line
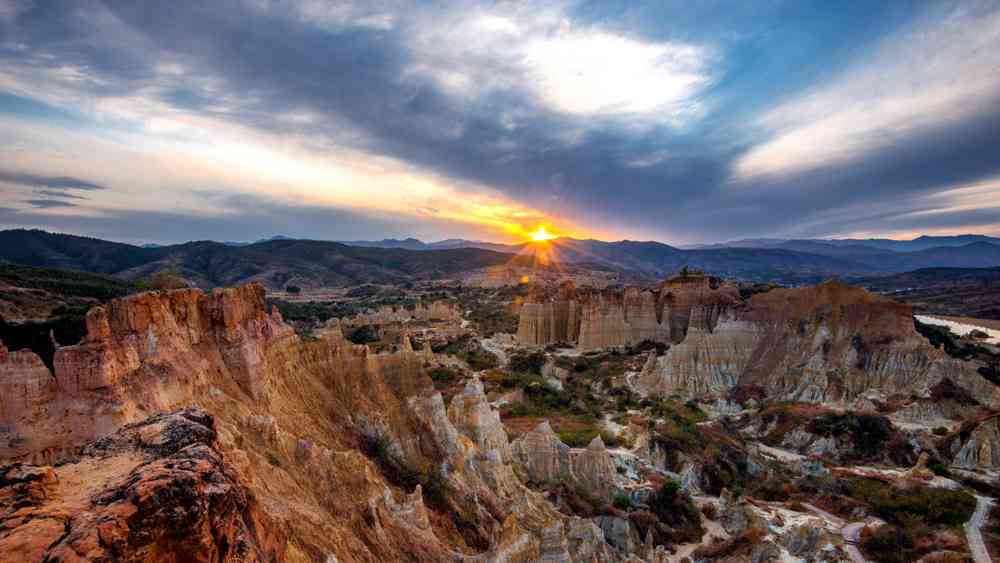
<point>621,317</point>
<point>544,459</point>
<point>155,490</point>
<point>830,343</point>
<point>350,453</point>
<point>981,450</point>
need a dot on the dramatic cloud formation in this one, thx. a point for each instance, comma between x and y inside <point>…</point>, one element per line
<point>343,120</point>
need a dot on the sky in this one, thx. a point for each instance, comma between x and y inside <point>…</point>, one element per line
<point>677,121</point>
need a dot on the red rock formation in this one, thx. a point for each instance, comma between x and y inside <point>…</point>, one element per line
<point>332,438</point>
<point>158,490</point>
<point>145,353</point>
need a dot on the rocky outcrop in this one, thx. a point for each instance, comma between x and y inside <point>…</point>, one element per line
<point>28,386</point>
<point>544,459</point>
<point>145,353</point>
<point>705,363</point>
<point>542,456</point>
<point>981,450</point>
<point>439,310</point>
<point>472,416</point>
<point>158,490</point>
<point>828,343</point>
<point>623,317</point>
<point>350,452</point>
<point>545,319</point>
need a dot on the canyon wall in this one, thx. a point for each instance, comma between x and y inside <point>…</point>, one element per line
<point>350,455</point>
<point>623,317</point>
<point>828,343</point>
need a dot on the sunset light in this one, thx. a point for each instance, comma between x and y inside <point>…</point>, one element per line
<point>541,234</point>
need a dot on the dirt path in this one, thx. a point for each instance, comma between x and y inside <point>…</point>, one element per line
<point>851,531</point>
<point>972,530</point>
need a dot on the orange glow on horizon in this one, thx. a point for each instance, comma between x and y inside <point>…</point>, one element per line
<point>541,234</point>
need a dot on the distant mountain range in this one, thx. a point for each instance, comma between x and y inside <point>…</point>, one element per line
<point>788,259</point>
<point>920,243</point>
<point>274,263</point>
<point>280,260</point>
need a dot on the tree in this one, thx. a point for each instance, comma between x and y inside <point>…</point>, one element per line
<point>293,289</point>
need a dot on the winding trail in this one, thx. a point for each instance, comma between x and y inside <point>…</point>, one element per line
<point>851,531</point>
<point>972,530</point>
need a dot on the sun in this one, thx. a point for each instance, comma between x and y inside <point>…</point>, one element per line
<point>541,234</point>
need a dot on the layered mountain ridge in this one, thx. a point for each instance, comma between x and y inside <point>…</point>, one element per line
<point>279,262</point>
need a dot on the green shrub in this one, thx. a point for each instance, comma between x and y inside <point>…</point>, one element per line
<point>929,505</point>
<point>578,438</point>
<point>890,544</point>
<point>940,431</point>
<point>479,359</point>
<point>939,469</point>
<point>443,374</point>
<point>366,334</point>
<point>867,432</point>
<point>528,362</point>
<point>623,502</point>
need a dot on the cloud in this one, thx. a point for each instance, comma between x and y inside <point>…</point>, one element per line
<point>247,217</point>
<point>53,182</point>
<point>669,120</point>
<point>940,71</point>
<point>58,194</point>
<point>541,54</point>
<point>50,203</point>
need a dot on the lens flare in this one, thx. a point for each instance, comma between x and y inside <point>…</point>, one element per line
<point>541,234</point>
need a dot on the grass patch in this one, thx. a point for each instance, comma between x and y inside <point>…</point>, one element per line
<point>940,507</point>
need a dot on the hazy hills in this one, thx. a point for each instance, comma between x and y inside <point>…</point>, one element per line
<point>760,258</point>
<point>273,262</point>
<point>279,260</point>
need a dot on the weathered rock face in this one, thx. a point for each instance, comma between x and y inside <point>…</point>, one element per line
<point>28,386</point>
<point>543,458</point>
<point>830,343</point>
<point>145,353</point>
<point>611,318</point>
<point>325,434</point>
<point>472,416</point>
<point>434,311</point>
<point>705,362</point>
<point>981,451</point>
<point>158,490</point>
<point>550,318</point>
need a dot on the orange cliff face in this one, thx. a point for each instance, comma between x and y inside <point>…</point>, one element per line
<point>827,343</point>
<point>145,353</point>
<point>318,432</point>
<point>623,317</point>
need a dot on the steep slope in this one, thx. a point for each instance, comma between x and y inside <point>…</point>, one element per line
<point>830,343</point>
<point>155,490</point>
<point>53,250</point>
<point>352,453</point>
